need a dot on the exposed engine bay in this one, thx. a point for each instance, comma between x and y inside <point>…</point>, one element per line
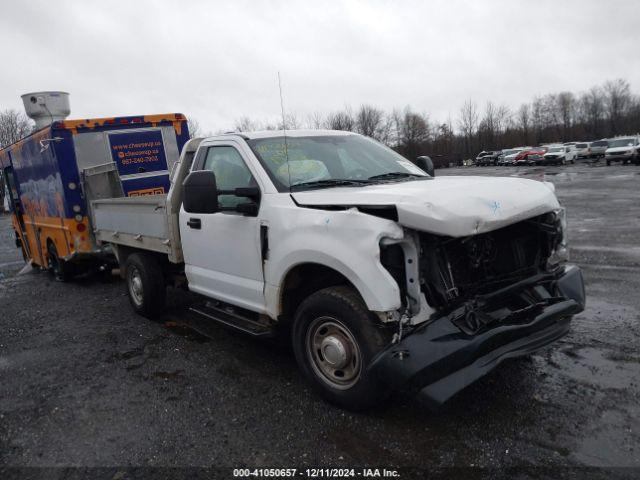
<point>455,269</point>
<point>478,279</point>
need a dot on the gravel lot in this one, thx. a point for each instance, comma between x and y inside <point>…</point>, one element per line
<point>85,382</point>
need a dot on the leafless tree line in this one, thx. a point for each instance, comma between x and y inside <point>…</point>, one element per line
<point>14,125</point>
<point>603,111</point>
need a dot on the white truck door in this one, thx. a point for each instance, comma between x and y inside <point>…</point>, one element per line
<point>221,250</point>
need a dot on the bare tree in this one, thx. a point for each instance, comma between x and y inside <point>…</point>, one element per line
<point>315,121</point>
<point>342,120</point>
<point>414,133</point>
<point>194,127</point>
<point>246,124</point>
<point>468,123</point>
<point>291,122</point>
<point>537,119</point>
<point>524,122</point>
<point>617,101</point>
<point>370,121</point>
<point>14,125</point>
<point>592,106</point>
<point>395,121</point>
<point>566,110</point>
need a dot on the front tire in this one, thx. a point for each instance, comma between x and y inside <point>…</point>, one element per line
<point>335,338</point>
<point>145,284</point>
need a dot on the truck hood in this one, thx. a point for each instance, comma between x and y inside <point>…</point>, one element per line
<point>452,206</point>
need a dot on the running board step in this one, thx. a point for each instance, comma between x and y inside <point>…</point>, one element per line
<point>204,313</point>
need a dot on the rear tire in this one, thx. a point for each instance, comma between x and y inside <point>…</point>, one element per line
<point>335,338</point>
<point>145,284</point>
<point>61,270</point>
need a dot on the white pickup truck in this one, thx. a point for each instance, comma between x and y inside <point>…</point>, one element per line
<point>383,276</point>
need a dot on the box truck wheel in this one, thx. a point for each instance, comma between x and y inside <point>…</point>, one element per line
<point>335,338</point>
<point>145,284</point>
<point>61,270</point>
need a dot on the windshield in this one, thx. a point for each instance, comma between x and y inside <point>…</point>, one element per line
<point>600,143</point>
<point>509,152</point>
<point>325,161</point>
<point>581,145</point>
<point>556,149</point>
<point>621,142</point>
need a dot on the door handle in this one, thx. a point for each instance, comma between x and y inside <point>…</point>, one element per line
<point>195,223</point>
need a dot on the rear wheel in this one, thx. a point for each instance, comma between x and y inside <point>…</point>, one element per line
<point>60,269</point>
<point>335,338</point>
<point>145,284</point>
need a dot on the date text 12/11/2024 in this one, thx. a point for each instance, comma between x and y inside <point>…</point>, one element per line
<point>316,473</point>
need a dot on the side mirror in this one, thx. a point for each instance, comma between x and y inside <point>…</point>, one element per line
<point>249,192</point>
<point>200,193</point>
<point>426,164</point>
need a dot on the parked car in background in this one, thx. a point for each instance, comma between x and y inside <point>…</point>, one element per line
<point>597,148</point>
<point>522,158</point>
<point>560,155</point>
<point>486,158</point>
<point>509,156</point>
<point>535,159</point>
<point>479,158</point>
<point>622,149</point>
<point>582,150</point>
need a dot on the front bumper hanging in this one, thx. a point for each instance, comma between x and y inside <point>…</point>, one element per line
<point>442,357</point>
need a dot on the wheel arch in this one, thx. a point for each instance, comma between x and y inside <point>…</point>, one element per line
<point>304,279</point>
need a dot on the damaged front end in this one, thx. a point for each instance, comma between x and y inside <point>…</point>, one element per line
<point>494,296</point>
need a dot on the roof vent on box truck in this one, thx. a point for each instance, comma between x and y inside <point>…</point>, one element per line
<point>46,107</point>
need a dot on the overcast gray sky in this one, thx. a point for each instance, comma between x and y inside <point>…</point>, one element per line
<point>218,61</point>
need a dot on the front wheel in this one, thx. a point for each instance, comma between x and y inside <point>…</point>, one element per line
<point>335,338</point>
<point>145,284</point>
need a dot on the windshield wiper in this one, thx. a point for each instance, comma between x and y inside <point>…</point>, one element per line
<point>329,182</point>
<point>390,175</point>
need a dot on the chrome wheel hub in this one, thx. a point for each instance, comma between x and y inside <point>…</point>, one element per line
<point>135,286</point>
<point>334,351</point>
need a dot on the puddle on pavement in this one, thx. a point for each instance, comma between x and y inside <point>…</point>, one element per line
<point>562,176</point>
<point>600,368</point>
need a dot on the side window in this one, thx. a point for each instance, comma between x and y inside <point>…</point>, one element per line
<point>10,183</point>
<point>231,172</point>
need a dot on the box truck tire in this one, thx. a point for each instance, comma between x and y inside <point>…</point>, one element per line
<point>61,270</point>
<point>145,284</point>
<point>334,340</point>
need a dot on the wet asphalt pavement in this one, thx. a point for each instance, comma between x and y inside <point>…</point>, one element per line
<point>85,382</point>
